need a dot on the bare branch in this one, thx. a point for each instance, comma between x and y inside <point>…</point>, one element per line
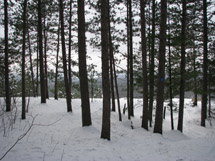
<point>20,138</point>
<point>23,135</point>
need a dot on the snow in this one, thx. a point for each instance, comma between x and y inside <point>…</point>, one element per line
<point>57,135</point>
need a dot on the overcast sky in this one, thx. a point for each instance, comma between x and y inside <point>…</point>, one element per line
<point>95,54</point>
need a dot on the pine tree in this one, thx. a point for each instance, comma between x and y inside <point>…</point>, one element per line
<point>195,101</point>
<point>113,71</point>
<point>45,37</point>
<point>85,103</point>
<point>161,69</point>
<point>57,61</point>
<point>23,59</point>
<point>69,48</point>
<point>66,81</point>
<point>151,67</point>
<point>205,67</point>
<point>111,76</point>
<point>128,63</point>
<point>7,85</point>
<point>31,64</point>
<point>117,90</point>
<point>170,76</point>
<point>37,72</point>
<point>105,134</point>
<point>182,81</point>
<point>144,66</point>
<point>131,80</point>
<point>40,36</point>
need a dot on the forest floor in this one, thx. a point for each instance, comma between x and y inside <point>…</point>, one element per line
<point>51,134</point>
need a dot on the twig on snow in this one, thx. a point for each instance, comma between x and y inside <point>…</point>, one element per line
<point>23,135</point>
<point>62,155</point>
<point>48,124</point>
<point>20,138</point>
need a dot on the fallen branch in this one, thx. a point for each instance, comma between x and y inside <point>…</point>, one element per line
<point>47,124</point>
<point>23,135</point>
<point>20,138</point>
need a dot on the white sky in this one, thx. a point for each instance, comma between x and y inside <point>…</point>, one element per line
<point>95,54</point>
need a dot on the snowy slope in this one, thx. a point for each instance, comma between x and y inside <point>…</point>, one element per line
<point>57,135</point>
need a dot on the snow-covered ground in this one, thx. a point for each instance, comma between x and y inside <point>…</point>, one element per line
<point>57,135</point>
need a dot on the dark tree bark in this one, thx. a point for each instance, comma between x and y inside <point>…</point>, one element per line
<point>117,91</point>
<point>209,95</point>
<point>92,85</point>
<point>105,134</point>
<point>85,103</point>
<point>128,64</point>
<point>45,56</point>
<point>42,80</point>
<point>46,69</point>
<point>110,46</point>
<point>195,79</point>
<point>182,81</point>
<point>37,71</point>
<point>57,61</point>
<point>113,69</point>
<point>170,82</point>
<point>31,66</point>
<point>152,66</point>
<point>7,84</point>
<point>37,74</point>
<point>114,76</point>
<point>144,66</point>
<point>161,69</point>
<point>148,35</point>
<point>112,83</point>
<point>70,43</point>
<point>68,94</point>
<point>131,59</point>
<point>205,66</point>
<point>23,60</point>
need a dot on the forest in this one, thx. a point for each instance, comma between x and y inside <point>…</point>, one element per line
<point>116,53</point>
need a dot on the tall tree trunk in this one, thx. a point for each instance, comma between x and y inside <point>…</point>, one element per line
<point>85,103</point>
<point>131,59</point>
<point>170,81</point>
<point>46,69</point>
<point>209,95</point>
<point>31,66</point>
<point>45,56</point>
<point>37,74</point>
<point>148,37</point>
<point>152,66</point>
<point>68,94</point>
<point>128,64</point>
<point>70,43</point>
<point>105,134</point>
<point>182,82</point>
<point>144,66</point>
<point>110,46</point>
<point>195,79</point>
<point>23,60</point>
<point>42,80</point>
<point>113,74</point>
<point>161,69</point>
<point>112,78</point>
<point>205,67</point>
<point>92,86</point>
<point>57,61</point>
<point>7,84</point>
<point>117,90</point>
